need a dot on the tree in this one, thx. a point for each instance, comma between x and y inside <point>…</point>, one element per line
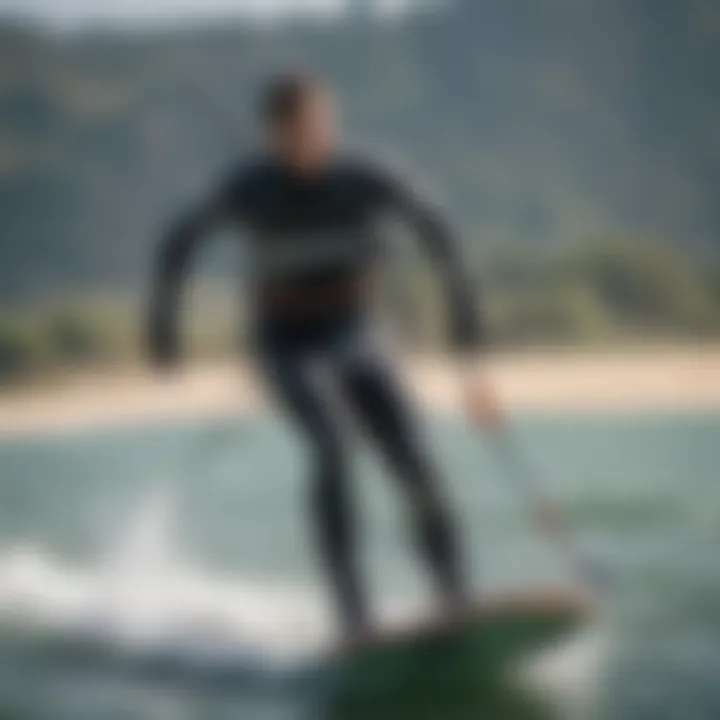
<point>646,286</point>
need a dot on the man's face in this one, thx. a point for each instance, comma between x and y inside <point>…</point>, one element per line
<point>307,139</point>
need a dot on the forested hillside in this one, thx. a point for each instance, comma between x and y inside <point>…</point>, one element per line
<point>553,129</point>
<point>543,122</point>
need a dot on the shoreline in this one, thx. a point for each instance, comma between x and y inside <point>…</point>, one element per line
<point>683,379</point>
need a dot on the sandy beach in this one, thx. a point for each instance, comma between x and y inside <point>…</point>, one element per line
<point>671,379</point>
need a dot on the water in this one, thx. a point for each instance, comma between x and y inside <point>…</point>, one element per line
<point>167,571</point>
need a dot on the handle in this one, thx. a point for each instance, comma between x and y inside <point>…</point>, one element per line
<point>546,514</point>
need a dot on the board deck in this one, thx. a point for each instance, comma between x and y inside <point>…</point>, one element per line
<point>472,646</point>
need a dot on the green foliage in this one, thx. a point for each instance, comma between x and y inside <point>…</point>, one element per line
<point>607,291</point>
<point>713,282</point>
<point>102,330</point>
<point>102,136</point>
<point>75,340</point>
<point>23,351</point>
<point>568,315</point>
<point>648,287</point>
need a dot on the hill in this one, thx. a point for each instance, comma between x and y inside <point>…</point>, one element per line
<point>545,124</point>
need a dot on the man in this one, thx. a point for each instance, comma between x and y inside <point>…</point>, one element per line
<point>310,214</point>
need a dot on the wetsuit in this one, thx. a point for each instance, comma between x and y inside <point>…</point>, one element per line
<point>313,242</point>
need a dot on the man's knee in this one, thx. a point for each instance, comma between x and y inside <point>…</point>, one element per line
<point>428,503</point>
<point>329,473</point>
<point>329,455</point>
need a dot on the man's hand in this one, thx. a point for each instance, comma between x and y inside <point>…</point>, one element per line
<point>482,403</point>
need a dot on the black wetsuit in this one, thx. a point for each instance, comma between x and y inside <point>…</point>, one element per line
<point>312,240</point>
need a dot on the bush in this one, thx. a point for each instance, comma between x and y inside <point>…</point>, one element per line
<point>23,351</point>
<point>567,315</point>
<point>77,340</point>
<point>647,288</point>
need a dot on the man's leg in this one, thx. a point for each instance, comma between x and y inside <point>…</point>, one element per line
<point>379,401</point>
<point>310,401</point>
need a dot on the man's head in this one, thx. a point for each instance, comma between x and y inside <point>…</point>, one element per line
<point>299,116</point>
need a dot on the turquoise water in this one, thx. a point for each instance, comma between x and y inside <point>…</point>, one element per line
<point>160,537</point>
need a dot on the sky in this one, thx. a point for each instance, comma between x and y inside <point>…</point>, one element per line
<point>151,12</point>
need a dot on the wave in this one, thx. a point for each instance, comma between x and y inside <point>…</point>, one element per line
<point>144,611</point>
<point>143,604</point>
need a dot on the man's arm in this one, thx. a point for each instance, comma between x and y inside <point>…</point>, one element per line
<point>468,329</point>
<point>172,263</point>
<point>436,235</point>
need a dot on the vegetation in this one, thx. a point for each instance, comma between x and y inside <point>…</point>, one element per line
<point>536,133</point>
<point>546,144</point>
<point>603,294</point>
<point>608,290</point>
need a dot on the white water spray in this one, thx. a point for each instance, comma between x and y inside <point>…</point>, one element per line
<point>143,596</point>
<point>146,602</point>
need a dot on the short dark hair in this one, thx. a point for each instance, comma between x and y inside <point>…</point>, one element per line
<point>283,96</point>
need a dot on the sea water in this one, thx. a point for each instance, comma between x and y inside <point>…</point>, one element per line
<point>168,571</point>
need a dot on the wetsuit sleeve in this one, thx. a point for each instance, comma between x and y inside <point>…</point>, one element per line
<point>436,235</point>
<point>171,266</point>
